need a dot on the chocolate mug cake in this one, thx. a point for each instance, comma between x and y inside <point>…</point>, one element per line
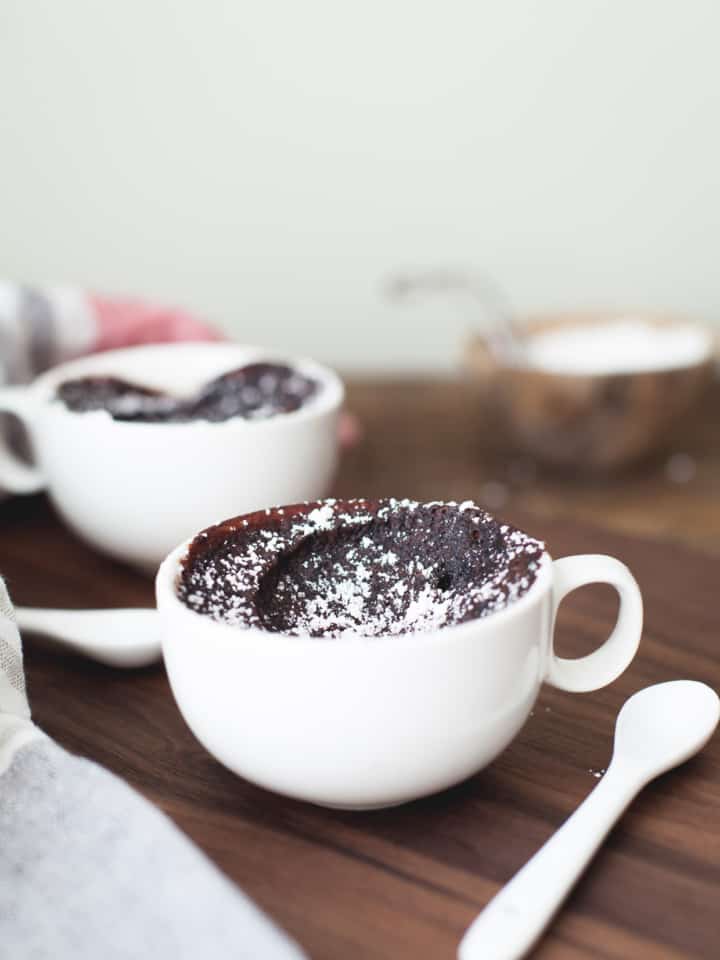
<point>364,653</point>
<point>255,391</point>
<point>370,568</point>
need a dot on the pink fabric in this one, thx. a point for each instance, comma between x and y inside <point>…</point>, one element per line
<point>127,322</point>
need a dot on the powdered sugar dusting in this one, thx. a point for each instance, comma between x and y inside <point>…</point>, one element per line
<point>359,568</point>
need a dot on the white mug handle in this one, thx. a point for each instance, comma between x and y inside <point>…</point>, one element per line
<point>605,664</point>
<point>17,476</point>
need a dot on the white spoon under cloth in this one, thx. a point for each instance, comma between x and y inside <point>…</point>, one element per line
<point>657,729</point>
<point>127,637</point>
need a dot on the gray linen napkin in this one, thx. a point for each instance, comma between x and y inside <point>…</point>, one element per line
<point>90,870</point>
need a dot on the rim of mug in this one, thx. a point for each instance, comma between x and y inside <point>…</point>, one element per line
<point>226,634</point>
<point>328,399</point>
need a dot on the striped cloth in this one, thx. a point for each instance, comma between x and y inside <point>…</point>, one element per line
<point>42,327</point>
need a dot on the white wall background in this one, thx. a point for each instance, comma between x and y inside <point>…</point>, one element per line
<point>269,162</point>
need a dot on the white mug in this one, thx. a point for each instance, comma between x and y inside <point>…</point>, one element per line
<point>133,490</point>
<point>361,722</point>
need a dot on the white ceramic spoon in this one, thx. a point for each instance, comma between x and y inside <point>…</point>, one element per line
<point>657,729</point>
<point>117,638</point>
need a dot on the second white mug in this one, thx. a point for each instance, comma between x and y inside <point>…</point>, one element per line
<point>133,490</point>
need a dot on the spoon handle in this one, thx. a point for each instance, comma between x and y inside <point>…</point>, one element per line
<point>514,919</point>
<point>127,637</point>
<point>57,624</point>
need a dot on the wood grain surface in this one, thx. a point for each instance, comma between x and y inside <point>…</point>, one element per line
<point>405,883</point>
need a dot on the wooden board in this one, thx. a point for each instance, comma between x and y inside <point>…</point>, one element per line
<point>405,883</point>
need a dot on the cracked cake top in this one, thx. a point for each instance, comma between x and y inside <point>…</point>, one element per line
<point>369,568</point>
